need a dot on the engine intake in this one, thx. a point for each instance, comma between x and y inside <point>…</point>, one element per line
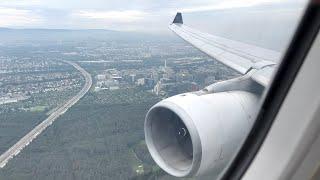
<point>190,135</point>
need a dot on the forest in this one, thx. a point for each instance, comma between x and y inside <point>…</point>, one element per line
<point>101,137</point>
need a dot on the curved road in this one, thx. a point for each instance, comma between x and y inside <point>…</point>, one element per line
<point>27,139</point>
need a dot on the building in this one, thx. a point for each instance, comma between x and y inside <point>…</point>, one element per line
<point>157,88</point>
<point>140,82</point>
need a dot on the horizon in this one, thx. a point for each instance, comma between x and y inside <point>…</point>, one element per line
<point>235,20</point>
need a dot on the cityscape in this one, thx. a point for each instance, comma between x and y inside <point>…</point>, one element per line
<point>101,135</point>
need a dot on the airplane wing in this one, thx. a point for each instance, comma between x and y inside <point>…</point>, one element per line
<point>239,56</point>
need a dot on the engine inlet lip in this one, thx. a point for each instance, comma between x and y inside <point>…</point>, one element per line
<point>195,139</point>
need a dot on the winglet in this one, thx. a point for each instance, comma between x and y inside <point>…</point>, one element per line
<point>178,19</point>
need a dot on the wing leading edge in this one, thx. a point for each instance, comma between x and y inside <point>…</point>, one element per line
<point>239,56</point>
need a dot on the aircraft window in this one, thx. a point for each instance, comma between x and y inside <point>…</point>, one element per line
<point>104,90</point>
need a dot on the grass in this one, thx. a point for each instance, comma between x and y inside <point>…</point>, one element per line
<point>38,109</point>
<point>135,162</point>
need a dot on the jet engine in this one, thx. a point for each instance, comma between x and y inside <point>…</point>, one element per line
<point>191,134</point>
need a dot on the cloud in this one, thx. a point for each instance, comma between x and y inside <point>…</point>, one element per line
<point>112,16</point>
<point>139,15</point>
<point>20,3</point>
<point>13,17</point>
<point>229,5</point>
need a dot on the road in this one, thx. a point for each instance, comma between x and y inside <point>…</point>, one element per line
<point>27,139</point>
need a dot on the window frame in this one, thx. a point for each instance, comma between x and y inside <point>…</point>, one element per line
<point>289,67</point>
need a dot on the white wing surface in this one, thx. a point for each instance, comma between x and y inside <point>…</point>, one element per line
<point>239,56</point>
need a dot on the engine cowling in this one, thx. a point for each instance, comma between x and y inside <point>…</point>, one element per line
<point>191,135</point>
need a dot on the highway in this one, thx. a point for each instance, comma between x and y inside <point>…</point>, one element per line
<point>30,136</point>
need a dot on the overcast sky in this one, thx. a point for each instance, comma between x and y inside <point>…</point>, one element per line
<point>247,20</point>
<point>141,15</point>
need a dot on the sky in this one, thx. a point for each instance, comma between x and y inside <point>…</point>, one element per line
<point>127,15</point>
<point>268,23</point>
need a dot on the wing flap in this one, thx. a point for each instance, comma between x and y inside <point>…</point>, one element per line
<point>263,76</point>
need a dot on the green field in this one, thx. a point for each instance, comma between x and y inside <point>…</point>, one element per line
<point>38,109</point>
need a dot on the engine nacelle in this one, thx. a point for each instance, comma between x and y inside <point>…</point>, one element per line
<point>190,135</point>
